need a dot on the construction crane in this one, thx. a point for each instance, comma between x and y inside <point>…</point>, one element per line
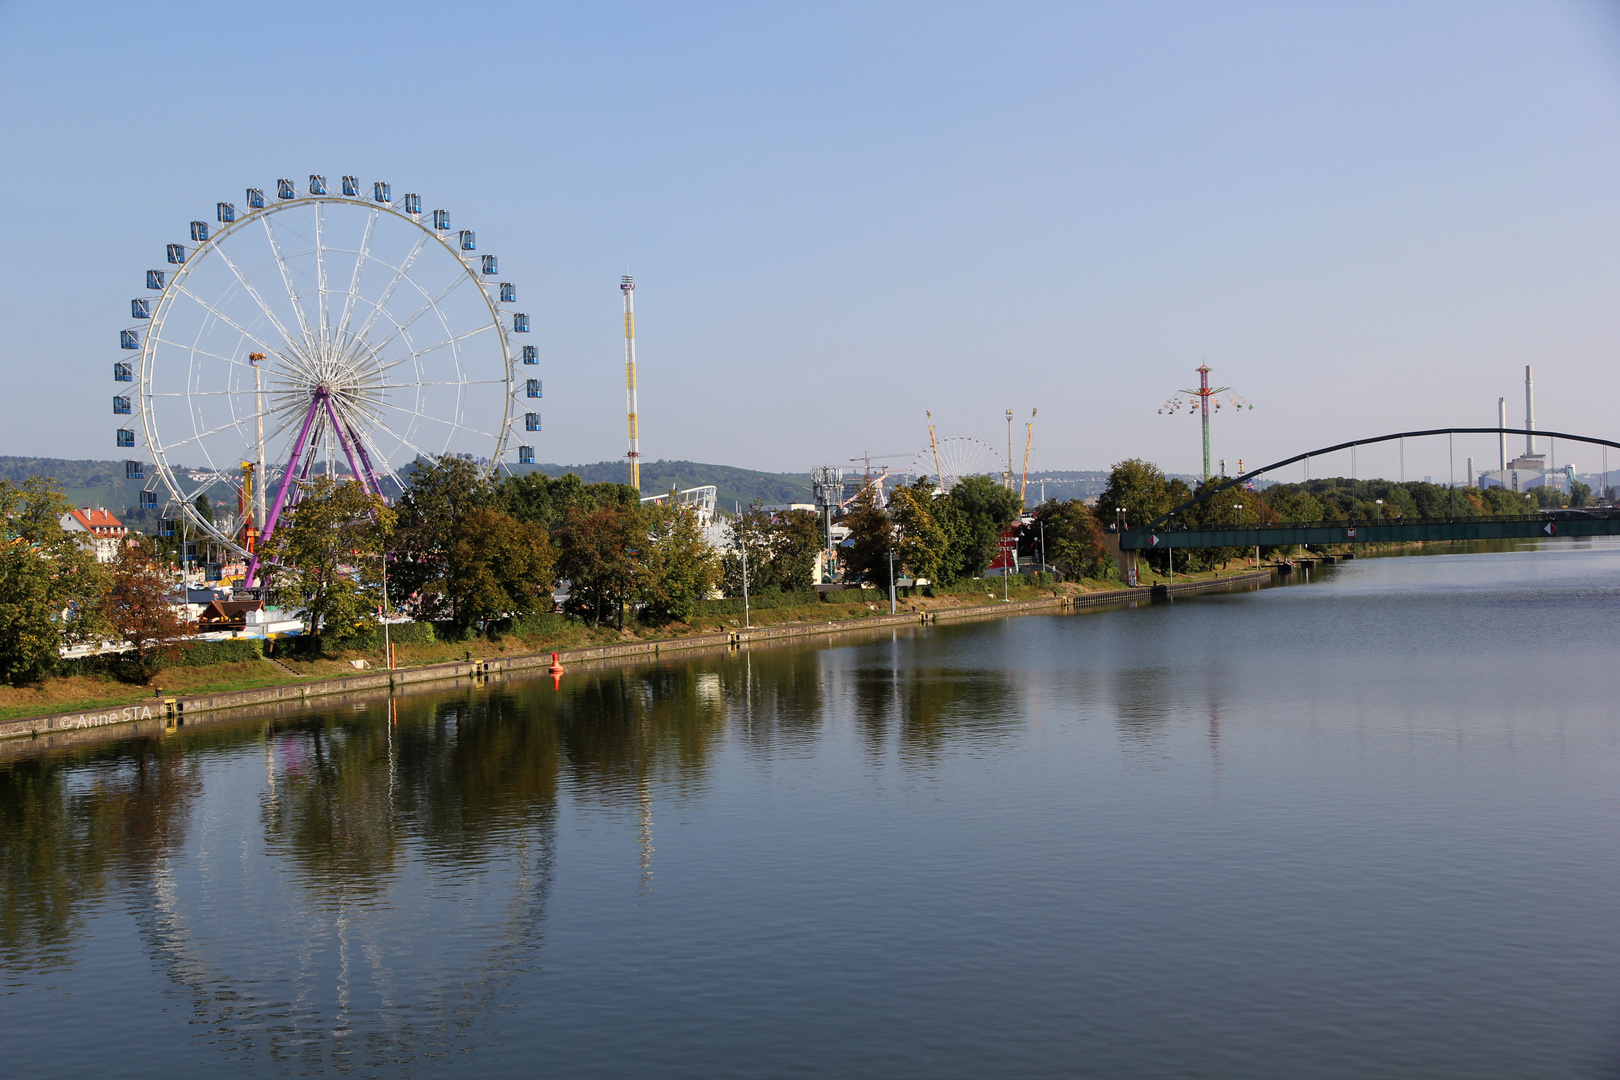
<point>933,444</point>
<point>1029,438</point>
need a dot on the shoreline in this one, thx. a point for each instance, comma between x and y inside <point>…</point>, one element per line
<point>157,716</point>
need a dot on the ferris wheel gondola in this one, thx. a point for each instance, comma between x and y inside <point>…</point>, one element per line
<point>315,332</point>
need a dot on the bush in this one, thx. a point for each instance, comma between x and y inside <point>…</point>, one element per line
<point>204,653</point>
<point>771,598</point>
<point>854,596</point>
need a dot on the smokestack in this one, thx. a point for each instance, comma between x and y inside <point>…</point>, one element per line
<point>1529,412</point>
<point>1501,436</point>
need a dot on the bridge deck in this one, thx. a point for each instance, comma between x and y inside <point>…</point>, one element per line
<point>1557,524</point>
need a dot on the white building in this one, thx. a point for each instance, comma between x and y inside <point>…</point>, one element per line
<point>104,531</point>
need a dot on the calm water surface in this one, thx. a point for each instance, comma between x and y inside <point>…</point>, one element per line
<point>1365,827</point>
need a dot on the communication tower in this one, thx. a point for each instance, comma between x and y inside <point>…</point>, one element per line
<point>627,285</point>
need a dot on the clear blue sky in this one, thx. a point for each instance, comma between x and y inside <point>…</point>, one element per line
<point>1364,216</point>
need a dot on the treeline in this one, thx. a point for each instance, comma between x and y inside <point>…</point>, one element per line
<point>956,536</point>
<point>1138,493</point>
<point>468,551</point>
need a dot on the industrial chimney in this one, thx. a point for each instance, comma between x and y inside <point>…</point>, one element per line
<point>1529,413</point>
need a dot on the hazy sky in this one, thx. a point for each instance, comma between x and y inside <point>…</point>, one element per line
<point>1363,216</point>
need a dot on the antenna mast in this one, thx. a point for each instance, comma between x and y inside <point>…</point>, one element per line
<point>627,285</point>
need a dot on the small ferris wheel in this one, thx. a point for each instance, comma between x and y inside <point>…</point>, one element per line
<point>343,332</point>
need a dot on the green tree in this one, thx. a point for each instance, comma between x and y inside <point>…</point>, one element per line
<point>1229,506</point>
<point>1074,540</point>
<point>678,567</point>
<point>50,582</point>
<point>139,610</point>
<point>326,557</point>
<point>498,568</point>
<point>598,553</point>
<point>205,508</point>
<point>783,547</point>
<point>545,501</point>
<point>441,493</point>
<point>927,544</point>
<point>984,510</point>
<point>871,538</point>
<point>1139,489</point>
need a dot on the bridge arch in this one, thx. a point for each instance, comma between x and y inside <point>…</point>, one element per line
<point>1211,491</point>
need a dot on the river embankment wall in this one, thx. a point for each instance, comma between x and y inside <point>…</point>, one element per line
<point>159,715</point>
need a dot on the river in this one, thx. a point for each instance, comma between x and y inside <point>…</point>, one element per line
<point>1365,826</point>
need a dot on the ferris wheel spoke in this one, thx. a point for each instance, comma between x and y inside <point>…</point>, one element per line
<point>388,293</point>
<point>201,435</point>
<point>455,425</point>
<point>444,343</point>
<point>431,305</point>
<point>320,274</point>
<point>222,358</point>
<point>286,280</point>
<point>269,315</point>
<point>354,279</point>
<point>222,317</point>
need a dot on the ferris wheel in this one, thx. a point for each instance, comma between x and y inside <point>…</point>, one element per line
<point>346,333</point>
<point>957,456</point>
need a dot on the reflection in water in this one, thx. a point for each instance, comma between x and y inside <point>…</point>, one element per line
<point>1008,847</point>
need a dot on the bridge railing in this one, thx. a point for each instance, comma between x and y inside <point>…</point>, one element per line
<point>1355,523</point>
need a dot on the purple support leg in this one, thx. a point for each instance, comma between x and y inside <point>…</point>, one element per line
<point>343,441</point>
<point>286,480</point>
<point>365,460</point>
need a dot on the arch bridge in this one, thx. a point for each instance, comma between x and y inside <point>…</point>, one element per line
<point>1166,532</point>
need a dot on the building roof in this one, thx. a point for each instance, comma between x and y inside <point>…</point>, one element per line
<point>97,521</point>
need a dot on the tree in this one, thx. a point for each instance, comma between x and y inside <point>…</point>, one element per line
<point>205,508</point>
<point>1074,541</point>
<point>545,501</point>
<point>783,548</point>
<point>1136,487</point>
<point>50,582</point>
<point>926,541</point>
<point>678,567</point>
<point>498,568</point>
<point>430,514</point>
<point>138,608</point>
<point>598,553</point>
<point>871,539</point>
<point>326,560</point>
<point>986,509</point>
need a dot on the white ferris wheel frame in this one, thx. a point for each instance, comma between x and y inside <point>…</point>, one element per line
<point>174,288</point>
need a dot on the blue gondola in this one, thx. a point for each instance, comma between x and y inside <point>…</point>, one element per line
<point>491,267</point>
<point>317,184</point>
<point>441,219</point>
<point>149,501</point>
<point>255,198</point>
<point>531,354</point>
<point>140,309</point>
<point>531,422</point>
<point>381,192</point>
<point>413,205</point>
<point>226,212</point>
<point>126,437</point>
<point>154,279</point>
<point>520,324</point>
<point>285,189</point>
<point>129,339</point>
<point>525,455</point>
<point>120,405</point>
<point>123,372</point>
<point>177,253</point>
<point>508,293</point>
<point>351,185</point>
<point>534,388</point>
<point>133,470</point>
<point>199,231</point>
<point>466,240</point>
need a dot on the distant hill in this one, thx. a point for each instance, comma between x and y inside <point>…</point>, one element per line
<point>735,486</point>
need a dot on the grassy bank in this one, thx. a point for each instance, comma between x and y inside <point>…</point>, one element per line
<point>74,693</point>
